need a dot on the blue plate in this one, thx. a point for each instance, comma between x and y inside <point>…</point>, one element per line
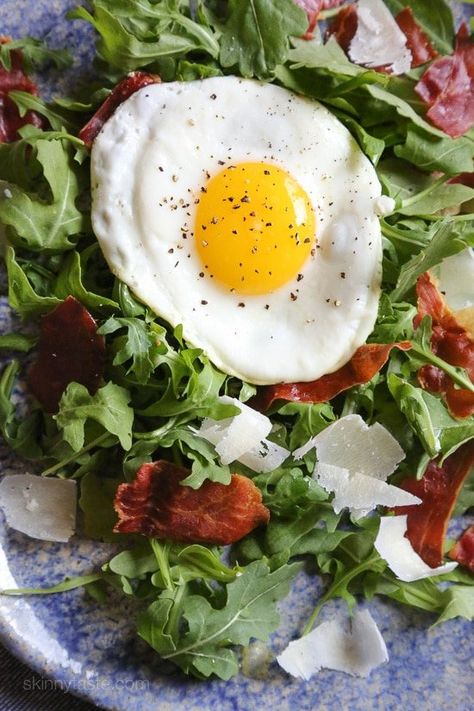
<point>92,650</point>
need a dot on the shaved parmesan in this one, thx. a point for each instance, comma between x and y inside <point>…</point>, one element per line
<point>351,444</point>
<point>243,438</point>
<point>42,508</point>
<point>378,41</point>
<point>360,493</point>
<point>456,277</point>
<point>331,646</point>
<point>354,462</point>
<point>392,545</point>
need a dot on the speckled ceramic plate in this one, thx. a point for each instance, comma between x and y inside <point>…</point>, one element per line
<point>91,650</point>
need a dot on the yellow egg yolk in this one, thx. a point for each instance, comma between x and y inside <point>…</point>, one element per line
<point>255,227</point>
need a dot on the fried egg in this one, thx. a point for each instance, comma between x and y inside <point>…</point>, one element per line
<point>247,214</point>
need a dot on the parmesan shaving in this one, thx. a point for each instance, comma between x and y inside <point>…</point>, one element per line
<point>243,438</point>
<point>456,277</point>
<point>331,646</point>
<point>354,462</point>
<point>39,507</point>
<point>378,41</point>
<point>392,545</point>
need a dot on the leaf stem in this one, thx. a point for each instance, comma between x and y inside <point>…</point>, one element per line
<point>459,378</point>
<point>162,558</point>
<point>419,196</point>
<point>75,455</point>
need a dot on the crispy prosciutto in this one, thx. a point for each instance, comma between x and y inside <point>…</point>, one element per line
<point>128,86</point>
<point>364,364</point>
<point>438,489</point>
<point>451,342</point>
<point>463,551</point>
<point>447,87</point>
<point>156,504</point>
<point>312,9</point>
<point>69,350</point>
<point>345,24</point>
<point>14,79</point>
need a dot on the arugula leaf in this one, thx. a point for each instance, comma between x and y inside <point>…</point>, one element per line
<point>108,406</point>
<point>458,602</point>
<point>96,501</point>
<point>127,44</point>
<point>28,102</point>
<point>449,237</point>
<point>429,418</point>
<point>21,436</point>
<point>256,35</point>
<point>21,295</point>
<point>394,322</point>
<point>432,152</point>
<point>34,52</point>
<point>69,281</point>
<point>141,344</point>
<point>249,612</point>
<point>16,342</point>
<point>40,225</point>
<point>435,19</point>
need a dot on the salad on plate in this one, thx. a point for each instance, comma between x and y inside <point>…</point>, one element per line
<point>242,262</point>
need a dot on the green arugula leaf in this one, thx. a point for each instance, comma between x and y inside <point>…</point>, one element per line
<point>458,602</point>
<point>21,295</point>
<point>249,612</point>
<point>109,407</point>
<point>17,342</point>
<point>256,35</point>
<point>21,435</point>
<point>141,344</point>
<point>40,225</point>
<point>28,102</point>
<point>34,53</point>
<point>449,237</point>
<point>69,281</point>
<point>429,418</point>
<point>431,152</point>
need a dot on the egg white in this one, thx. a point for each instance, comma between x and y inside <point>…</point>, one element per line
<point>149,163</point>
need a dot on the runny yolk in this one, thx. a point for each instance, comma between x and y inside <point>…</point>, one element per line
<point>255,227</point>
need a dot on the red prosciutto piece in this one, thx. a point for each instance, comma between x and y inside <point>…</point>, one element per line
<point>344,26</point>
<point>427,522</point>
<point>69,350</point>
<point>156,504</point>
<point>421,49</point>
<point>447,87</point>
<point>364,364</point>
<point>463,551</point>
<point>451,342</point>
<point>128,86</point>
<point>312,9</point>
<point>14,79</point>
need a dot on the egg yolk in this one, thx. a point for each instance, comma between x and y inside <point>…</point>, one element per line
<point>255,227</point>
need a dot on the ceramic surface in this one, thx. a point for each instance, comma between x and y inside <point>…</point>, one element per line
<point>91,649</point>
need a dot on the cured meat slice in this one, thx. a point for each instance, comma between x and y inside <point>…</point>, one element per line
<point>451,342</point>
<point>447,87</point>
<point>69,350</point>
<point>364,364</point>
<point>463,551</point>
<point>157,504</point>
<point>128,86</point>
<point>15,79</point>
<point>427,523</point>
<point>418,43</point>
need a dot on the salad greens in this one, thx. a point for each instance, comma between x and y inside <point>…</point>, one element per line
<point>158,387</point>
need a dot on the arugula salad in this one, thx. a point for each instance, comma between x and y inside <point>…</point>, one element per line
<point>395,423</point>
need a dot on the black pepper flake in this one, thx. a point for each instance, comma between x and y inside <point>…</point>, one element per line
<point>234,232</point>
<point>221,162</point>
<point>214,220</point>
<point>268,224</point>
<point>252,214</point>
<point>307,240</point>
<point>343,275</point>
<point>299,277</point>
<point>213,97</point>
<point>236,207</point>
<point>171,250</point>
<point>201,274</point>
<point>241,305</point>
<point>160,168</point>
<point>230,199</point>
<point>266,172</point>
<point>204,190</point>
<point>293,297</point>
<point>328,300</point>
<point>267,306</point>
<point>245,199</point>
<point>203,302</point>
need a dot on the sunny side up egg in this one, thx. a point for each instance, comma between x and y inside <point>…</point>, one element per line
<point>245,213</point>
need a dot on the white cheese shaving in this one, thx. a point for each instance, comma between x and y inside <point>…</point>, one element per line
<point>378,40</point>
<point>331,646</point>
<point>456,277</point>
<point>51,501</point>
<point>243,438</point>
<point>384,205</point>
<point>392,545</point>
<point>354,462</point>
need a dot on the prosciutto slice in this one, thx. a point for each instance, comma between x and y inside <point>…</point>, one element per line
<point>157,504</point>
<point>69,350</point>
<point>128,86</point>
<point>451,342</point>
<point>15,79</point>
<point>364,364</point>
<point>463,551</point>
<point>438,490</point>
<point>447,87</point>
